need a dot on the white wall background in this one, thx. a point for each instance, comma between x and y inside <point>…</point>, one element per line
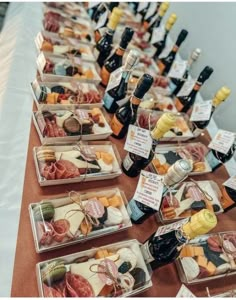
<point>212,27</point>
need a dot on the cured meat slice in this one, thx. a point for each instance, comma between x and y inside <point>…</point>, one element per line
<point>44,233</point>
<point>49,171</point>
<point>61,228</point>
<point>78,286</point>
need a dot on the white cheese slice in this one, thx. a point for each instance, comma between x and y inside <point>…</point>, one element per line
<point>184,205</point>
<point>60,49</point>
<point>75,218</point>
<point>179,194</point>
<point>82,269</point>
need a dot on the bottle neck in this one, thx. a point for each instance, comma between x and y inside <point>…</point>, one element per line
<point>135,101</point>
<point>120,51</point>
<point>174,49</point>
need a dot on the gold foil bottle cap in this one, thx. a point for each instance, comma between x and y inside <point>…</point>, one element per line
<point>163,8</point>
<point>132,59</point>
<point>170,22</point>
<point>195,54</point>
<point>164,124</point>
<point>200,223</point>
<point>221,95</point>
<point>115,18</point>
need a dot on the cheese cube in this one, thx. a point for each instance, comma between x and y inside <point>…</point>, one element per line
<point>211,268</point>
<point>202,261</point>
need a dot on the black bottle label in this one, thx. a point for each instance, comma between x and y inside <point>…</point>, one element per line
<point>127,162</point>
<point>134,212</point>
<point>212,160</point>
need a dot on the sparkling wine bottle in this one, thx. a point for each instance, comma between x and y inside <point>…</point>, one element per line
<point>133,163</point>
<point>127,113</point>
<point>164,64</point>
<point>118,92</point>
<point>115,60</point>
<point>219,97</point>
<point>160,250</point>
<point>138,211</point>
<point>104,45</point>
<point>184,103</point>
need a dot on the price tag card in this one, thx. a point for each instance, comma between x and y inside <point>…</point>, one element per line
<point>170,227</point>
<point>201,111</point>
<point>115,79</point>
<point>231,183</point>
<point>102,20</point>
<point>41,61</point>
<point>151,10</point>
<point>186,88</point>
<point>142,6</point>
<point>36,88</point>
<point>138,141</point>
<point>223,141</point>
<point>177,69</point>
<point>184,292</point>
<point>149,189</point>
<point>39,40</point>
<point>158,35</point>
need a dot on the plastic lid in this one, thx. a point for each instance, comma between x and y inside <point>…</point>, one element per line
<point>163,8</point>
<point>143,86</point>
<point>131,59</point>
<point>115,18</point>
<point>200,223</point>
<point>221,95</point>
<point>196,53</point>
<point>164,124</point>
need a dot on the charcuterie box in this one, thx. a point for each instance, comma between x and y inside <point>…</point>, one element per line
<point>56,127</point>
<point>78,217</point>
<point>53,68</point>
<point>187,198</point>
<point>85,161</point>
<point>63,48</point>
<point>65,95</point>
<point>166,155</point>
<point>114,270</point>
<point>182,131</point>
<point>208,257</point>
<point>68,10</point>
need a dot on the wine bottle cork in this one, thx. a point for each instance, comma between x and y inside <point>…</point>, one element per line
<point>163,8</point>
<point>115,18</point>
<point>170,22</point>
<point>164,124</point>
<point>200,223</point>
<point>221,95</point>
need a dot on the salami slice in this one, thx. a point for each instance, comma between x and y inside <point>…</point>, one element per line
<point>61,228</point>
<point>51,292</point>
<point>78,286</point>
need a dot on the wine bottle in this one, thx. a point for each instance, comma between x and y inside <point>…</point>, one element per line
<point>115,60</point>
<point>127,113</point>
<point>164,64</point>
<point>154,6</point>
<point>228,200</point>
<point>160,250</point>
<point>219,97</point>
<point>101,16</point>
<point>104,45</point>
<point>119,92</point>
<point>161,12</point>
<point>138,211</point>
<point>184,103</point>
<point>177,83</point>
<point>160,45</point>
<point>132,163</point>
<point>215,158</point>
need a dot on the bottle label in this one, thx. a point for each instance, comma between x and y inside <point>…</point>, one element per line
<point>179,106</point>
<point>212,160</point>
<point>146,253</point>
<point>105,75</point>
<point>151,10</point>
<point>108,100</point>
<point>171,227</point>
<point>201,111</point>
<point>157,34</point>
<point>115,79</point>
<point>134,212</point>
<point>149,190</point>
<point>116,125</point>
<point>127,162</point>
<point>172,86</point>
<point>186,88</point>
<point>223,141</point>
<point>177,69</point>
<point>138,141</point>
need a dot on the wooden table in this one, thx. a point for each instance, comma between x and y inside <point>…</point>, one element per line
<point>165,280</point>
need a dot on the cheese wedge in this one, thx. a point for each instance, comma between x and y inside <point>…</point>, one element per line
<point>83,270</point>
<point>74,218</point>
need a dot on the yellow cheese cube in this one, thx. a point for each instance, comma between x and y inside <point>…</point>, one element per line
<point>101,254</point>
<point>211,268</point>
<point>107,158</point>
<point>187,251</point>
<point>104,201</point>
<point>202,261</point>
<point>198,251</point>
<point>115,201</point>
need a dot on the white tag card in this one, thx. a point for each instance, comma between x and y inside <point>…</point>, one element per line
<point>39,40</point>
<point>36,88</point>
<point>201,111</point>
<point>177,69</point>
<point>186,88</point>
<point>231,182</point>
<point>142,6</point>
<point>170,227</point>
<point>184,292</point>
<point>149,189</point>
<point>158,35</point>
<point>91,4</point>
<point>151,10</point>
<point>102,20</point>
<point>222,141</point>
<point>41,61</point>
<point>115,79</point>
<point>138,141</point>
<point>166,50</point>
